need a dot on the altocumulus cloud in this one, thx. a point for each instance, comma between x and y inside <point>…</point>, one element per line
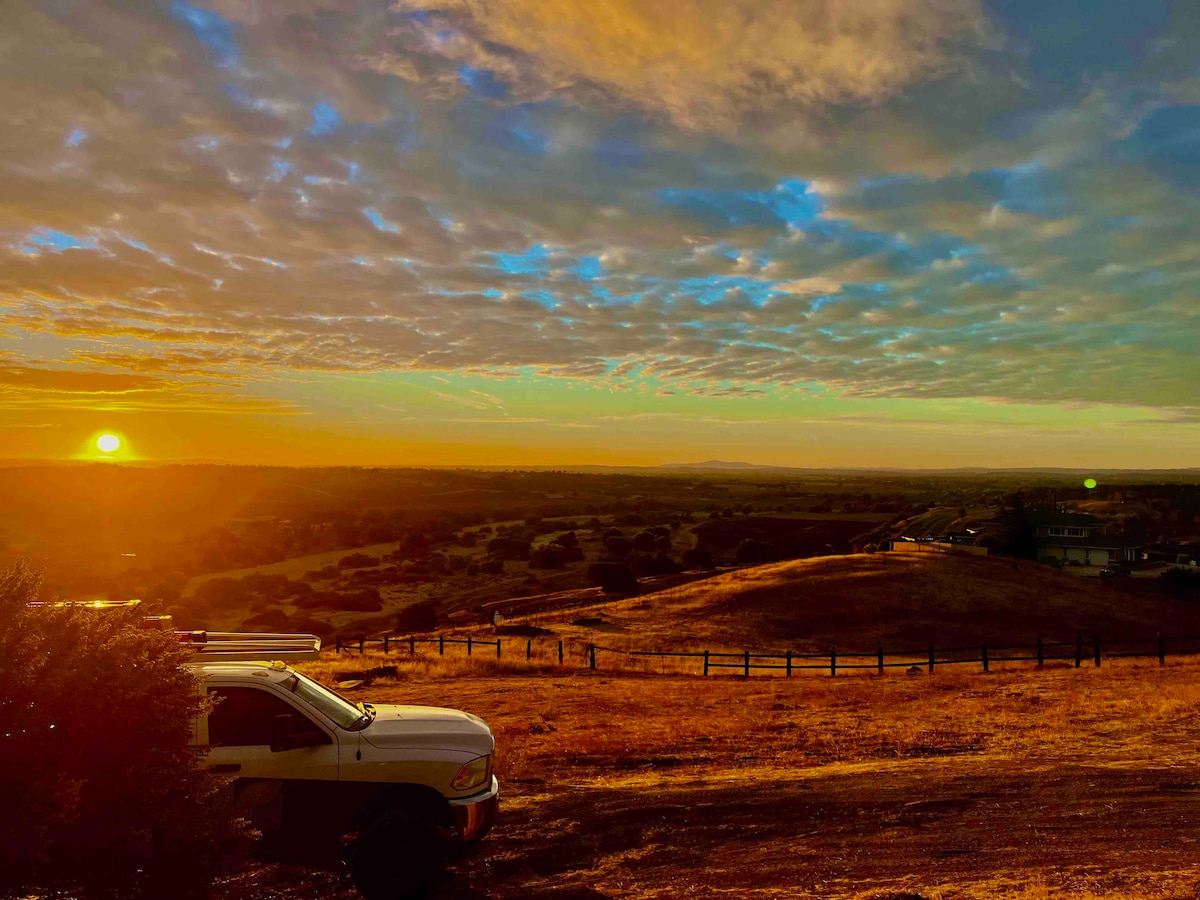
<point>890,199</point>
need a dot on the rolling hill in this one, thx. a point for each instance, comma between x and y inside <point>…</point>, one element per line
<point>864,601</point>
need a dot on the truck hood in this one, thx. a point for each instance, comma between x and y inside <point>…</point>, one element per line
<point>431,727</point>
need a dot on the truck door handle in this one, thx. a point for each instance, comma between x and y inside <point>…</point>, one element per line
<point>226,767</point>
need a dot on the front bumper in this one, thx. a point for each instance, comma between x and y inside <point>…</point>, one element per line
<point>475,815</point>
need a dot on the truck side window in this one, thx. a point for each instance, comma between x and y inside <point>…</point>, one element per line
<point>243,715</point>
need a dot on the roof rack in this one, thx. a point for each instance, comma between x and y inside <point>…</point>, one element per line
<point>249,646</point>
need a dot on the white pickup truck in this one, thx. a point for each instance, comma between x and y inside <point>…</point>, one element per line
<point>391,787</point>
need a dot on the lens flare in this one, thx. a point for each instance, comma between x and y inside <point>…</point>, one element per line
<point>107,443</point>
<point>1089,483</point>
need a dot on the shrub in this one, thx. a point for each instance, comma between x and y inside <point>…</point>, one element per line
<point>698,559</point>
<point>508,548</point>
<point>1181,581</point>
<point>364,599</point>
<point>617,546</point>
<point>613,578</point>
<point>321,574</point>
<point>299,589</point>
<point>659,564</point>
<point>223,593</point>
<point>358,561</point>
<point>419,617</point>
<point>752,551</point>
<point>492,567</point>
<point>102,794</point>
<point>276,587</point>
<point>271,620</point>
<point>552,556</point>
<point>644,541</point>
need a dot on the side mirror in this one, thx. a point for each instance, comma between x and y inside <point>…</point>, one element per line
<point>285,737</point>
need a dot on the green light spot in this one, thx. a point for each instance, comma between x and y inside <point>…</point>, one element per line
<point>1089,483</point>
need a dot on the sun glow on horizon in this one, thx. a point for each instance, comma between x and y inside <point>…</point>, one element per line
<point>108,443</point>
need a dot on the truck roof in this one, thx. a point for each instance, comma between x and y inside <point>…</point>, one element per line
<point>273,672</point>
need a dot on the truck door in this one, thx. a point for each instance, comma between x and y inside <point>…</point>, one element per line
<point>240,730</point>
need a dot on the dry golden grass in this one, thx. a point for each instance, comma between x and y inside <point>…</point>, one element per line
<point>1079,784</point>
<point>861,602</point>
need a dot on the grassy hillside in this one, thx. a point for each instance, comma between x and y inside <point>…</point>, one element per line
<point>864,601</point>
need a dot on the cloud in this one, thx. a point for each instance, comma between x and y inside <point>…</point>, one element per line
<point>721,200</point>
<point>714,63</point>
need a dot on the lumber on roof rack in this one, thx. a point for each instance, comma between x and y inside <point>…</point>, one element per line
<point>232,646</point>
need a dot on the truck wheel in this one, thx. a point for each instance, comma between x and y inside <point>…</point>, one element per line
<point>395,857</point>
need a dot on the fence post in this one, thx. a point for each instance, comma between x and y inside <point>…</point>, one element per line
<point>385,645</point>
<point>591,656</point>
<point>560,653</point>
<point>1041,654</point>
<point>1096,651</point>
<point>441,645</point>
<point>529,649</point>
<point>931,659</point>
<point>497,648</point>
<point>468,645</point>
<point>1078,649</point>
<point>746,664</point>
<point>985,655</point>
<point>880,660</point>
<point>362,643</point>
<point>706,662</point>
<point>1162,650</point>
<point>339,645</point>
<point>789,664</point>
<point>833,662</point>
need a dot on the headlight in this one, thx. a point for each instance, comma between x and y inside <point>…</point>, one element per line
<point>473,774</point>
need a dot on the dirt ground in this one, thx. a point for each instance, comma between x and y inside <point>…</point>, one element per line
<point>1020,784</point>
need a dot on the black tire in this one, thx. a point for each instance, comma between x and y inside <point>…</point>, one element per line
<point>396,857</point>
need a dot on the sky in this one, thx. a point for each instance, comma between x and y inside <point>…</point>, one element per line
<point>909,233</point>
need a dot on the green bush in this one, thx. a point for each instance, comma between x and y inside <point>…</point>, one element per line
<point>102,793</point>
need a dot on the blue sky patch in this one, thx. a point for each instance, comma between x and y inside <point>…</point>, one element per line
<point>789,204</point>
<point>324,120</point>
<point>483,82</point>
<point>210,29</point>
<point>380,222</point>
<point>535,260</point>
<point>48,239</point>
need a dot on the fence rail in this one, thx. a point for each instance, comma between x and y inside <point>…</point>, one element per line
<point>929,660</point>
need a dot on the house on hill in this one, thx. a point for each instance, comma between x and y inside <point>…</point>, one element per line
<point>1079,539</point>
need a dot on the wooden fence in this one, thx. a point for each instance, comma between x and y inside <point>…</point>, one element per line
<point>787,662</point>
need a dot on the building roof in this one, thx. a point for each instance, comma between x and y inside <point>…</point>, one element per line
<point>1049,515</point>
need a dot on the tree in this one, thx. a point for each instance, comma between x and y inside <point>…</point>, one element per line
<point>551,556</point>
<point>419,617</point>
<point>617,546</point>
<point>752,551</point>
<point>503,548</point>
<point>102,793</point>
<point>358,561</point>
<point>696,558</point>
<point>644,541</point>
<point>613,578</point>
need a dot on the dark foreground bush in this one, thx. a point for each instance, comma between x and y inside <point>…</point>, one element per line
<point>102,794</point>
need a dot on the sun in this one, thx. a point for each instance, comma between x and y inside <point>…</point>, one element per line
<point>107,443</point>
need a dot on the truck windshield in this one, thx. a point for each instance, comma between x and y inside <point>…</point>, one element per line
<point>337,709</point>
